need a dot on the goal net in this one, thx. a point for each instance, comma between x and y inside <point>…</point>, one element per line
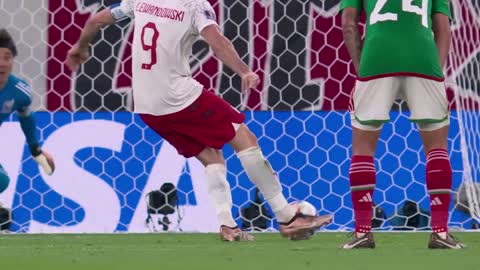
<point>109,162</point>
<point>463,72</point>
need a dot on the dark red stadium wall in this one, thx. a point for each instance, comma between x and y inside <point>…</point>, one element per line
<point>305,56</point>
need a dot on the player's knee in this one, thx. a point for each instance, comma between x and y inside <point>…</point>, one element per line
<point>211,156</point>
<point>245,132</point>
<point>250,137</point>
<point>363,149</point>
<point>372,127</point>
<point>433,126</point>
<point>435,137</point>
<point>364,139</point>
<point>244,139</point>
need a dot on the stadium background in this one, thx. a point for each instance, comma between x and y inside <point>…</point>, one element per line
<point>107,161</point>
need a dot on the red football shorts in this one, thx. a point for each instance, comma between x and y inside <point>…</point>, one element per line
<point>207,122</point>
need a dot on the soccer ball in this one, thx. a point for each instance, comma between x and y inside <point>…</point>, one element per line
<point>305,208</point>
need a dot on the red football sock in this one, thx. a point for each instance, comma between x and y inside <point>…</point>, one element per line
<point>439,185</point>
<point>362,184</point>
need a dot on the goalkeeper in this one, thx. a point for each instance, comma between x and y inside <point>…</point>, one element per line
<point>15,96</point>
<point>405,47</point>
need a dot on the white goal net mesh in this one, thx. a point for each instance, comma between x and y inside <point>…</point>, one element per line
<point>108,161</point>
<point>464,69</point>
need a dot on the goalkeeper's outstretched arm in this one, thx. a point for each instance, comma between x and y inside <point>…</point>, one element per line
<point>29,128</point>
<point>78,54</point>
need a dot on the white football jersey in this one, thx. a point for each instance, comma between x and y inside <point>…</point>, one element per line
<point>165,31</point>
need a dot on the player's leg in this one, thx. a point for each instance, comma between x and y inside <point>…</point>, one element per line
<point>220,194</point>
<point>371,103</point>
<point>261,174</point>
<point>428,104</point>
<point>362,184</point>
<point>215,172</point>
<point>217,185</point>
<point>225,125</point>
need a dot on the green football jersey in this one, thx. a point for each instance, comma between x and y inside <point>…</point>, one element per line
<point>399,39</point>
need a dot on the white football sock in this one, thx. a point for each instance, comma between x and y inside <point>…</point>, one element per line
<point>220,193</point>
<point>261,174</point>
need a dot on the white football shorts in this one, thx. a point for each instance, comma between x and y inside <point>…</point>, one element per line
<point>372,101</point>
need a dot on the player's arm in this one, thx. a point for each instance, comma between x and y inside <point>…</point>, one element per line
<point>93,25</point>
<point>29,128</point>
<point>79,52</point>
<point>351,34</point>
<point>225,51</point>
<point>204,24</point>
<point>443,35</point>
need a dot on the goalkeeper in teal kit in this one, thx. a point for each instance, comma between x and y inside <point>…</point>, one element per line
<point>406,45</point>
<point>15,96</point>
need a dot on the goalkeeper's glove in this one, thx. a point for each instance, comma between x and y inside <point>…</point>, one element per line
<point>43,159</point>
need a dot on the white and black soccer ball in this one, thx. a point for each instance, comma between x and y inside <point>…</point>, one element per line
<point>307,209</point>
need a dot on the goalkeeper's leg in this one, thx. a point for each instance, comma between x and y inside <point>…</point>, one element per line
<point>260,172</point>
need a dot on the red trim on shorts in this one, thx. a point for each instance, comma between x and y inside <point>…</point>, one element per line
<point>400,74</point>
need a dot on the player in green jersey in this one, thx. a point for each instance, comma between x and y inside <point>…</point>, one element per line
<point>406,44</point>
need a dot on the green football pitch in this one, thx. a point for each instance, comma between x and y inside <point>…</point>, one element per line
<point>405,251</point>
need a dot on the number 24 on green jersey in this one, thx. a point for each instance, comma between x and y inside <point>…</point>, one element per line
<point>407,6</point>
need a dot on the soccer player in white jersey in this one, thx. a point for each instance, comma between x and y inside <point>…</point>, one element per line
<point>194,120</point>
